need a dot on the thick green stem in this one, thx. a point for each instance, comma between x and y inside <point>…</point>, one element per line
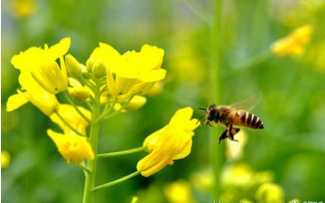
<point>93,140</point>
<point>111,154</point>
<point>216,78</point>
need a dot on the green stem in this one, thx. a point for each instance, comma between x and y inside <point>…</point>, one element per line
<point>124,152</point>
<point>109,115</point>
<point>68,124</point>
<point>84,168</point>
<point>197,10</point>
<point>252,62</point>
<point>93,140</point>
<point>116,181</point>
<point>67,96</point>
<point>216,151</point>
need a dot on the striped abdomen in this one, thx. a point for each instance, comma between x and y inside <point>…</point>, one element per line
<point>247,119</point>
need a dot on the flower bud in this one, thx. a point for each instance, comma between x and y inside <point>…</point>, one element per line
<point>99,70</point>
<point>73,66</point>
<point>136,103</point>
<point>79,93</point>
<point>89,64</point>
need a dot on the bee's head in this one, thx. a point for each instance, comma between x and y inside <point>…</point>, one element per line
<point>211,114</point>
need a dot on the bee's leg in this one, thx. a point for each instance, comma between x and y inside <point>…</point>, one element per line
<point>223,136</point>
<point>231,132</point>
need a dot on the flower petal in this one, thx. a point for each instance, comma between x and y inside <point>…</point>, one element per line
<point>15,101</point>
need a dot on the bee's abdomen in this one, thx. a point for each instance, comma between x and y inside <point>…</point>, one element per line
<point>250,120</point>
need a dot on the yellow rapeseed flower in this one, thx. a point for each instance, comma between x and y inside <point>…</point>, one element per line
<point>270,192</point>
<point>23,8</point>
<point>73,118</point>
<point>131,73</point>
<point>40,77</point>
<point>172,142</point>
<point>179,192</point>
<point>73,148</point>
<point>294,44</point>
<point>5,159</point>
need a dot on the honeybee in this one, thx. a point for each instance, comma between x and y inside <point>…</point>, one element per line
<point>234,115</point>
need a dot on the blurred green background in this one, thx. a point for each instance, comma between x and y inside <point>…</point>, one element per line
<point>288,152</point>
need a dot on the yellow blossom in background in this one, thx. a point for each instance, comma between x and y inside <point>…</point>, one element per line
<point>40,77</point>
<point>241,175</point>
<point>172,142</point>
<point>133,73</point>
<point>156,89</point>
<point>246,201</point>
<point>70,114</point>
<point>294,44</point>
<point>235,150</point>
<point>294,201</point>
<point>270,192</point>
<point>179,192</point>
<point>73,148</point>
<point>186,65</point>
<point>203,180</point>
<point>134,199</point>
<point>22,8</point>
<point>5,159</point>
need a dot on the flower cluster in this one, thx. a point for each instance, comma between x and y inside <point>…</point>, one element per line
<point>109,80</point>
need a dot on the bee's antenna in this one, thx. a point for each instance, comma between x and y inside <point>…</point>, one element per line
<point>202,115</point>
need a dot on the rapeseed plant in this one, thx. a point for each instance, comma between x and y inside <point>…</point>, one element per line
<point>109,83</point>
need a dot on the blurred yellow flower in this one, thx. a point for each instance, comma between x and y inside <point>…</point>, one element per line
<point>133,73</point>
<point>40,77</point>
<point>179,192</point>
<point>23,8</point>
<point>203,180</point>
<point>5,159</point>
<point>241,175</point>
<point>73,148</point>
<point>235,150</point>
<point>294,44</point>
<point>246,201</point>
<point>70,114</point>
<point>270,192</point>
<point>156,89</point>
<point>134,199</point>
<point>172,142</point>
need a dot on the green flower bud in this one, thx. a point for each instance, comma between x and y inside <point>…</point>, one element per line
<point>79,93</point>
<point>99,70</point>
<point>73,66</point>
<point>89,64</point>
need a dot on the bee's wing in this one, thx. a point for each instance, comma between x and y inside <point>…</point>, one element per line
<point>249,103</point>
